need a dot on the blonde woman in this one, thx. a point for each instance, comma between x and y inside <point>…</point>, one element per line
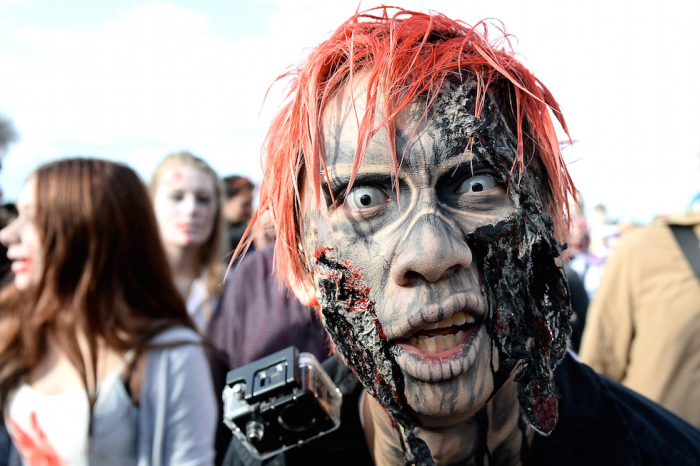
<point>186,196</point>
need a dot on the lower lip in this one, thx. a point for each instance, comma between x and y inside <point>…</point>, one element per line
<point>21,266</point>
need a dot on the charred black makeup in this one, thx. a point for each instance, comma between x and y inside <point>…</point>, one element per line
<point>456,224</point>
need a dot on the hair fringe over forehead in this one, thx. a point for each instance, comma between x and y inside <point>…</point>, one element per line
<point>405,54</point>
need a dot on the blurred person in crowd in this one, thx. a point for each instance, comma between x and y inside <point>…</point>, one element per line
<point>8,212</point>
<point>264,234</point>
<point>238,208</point>
<point>187,200</point>
<point>588,266</point>
<point>262,316</point>
<point>576,248</point>
<point>643,324</point>
<point>600,228</point>
<point>419,198</point>
<point>99,361</point>
<point>8,135</point>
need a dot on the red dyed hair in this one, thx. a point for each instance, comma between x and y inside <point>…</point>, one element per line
<point>405,54</point>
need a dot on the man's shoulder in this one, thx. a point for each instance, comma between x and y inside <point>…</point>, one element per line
<point>600,421</point>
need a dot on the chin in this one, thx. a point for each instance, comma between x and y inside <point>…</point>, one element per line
<point>24,283</point>
<point>447,402</point>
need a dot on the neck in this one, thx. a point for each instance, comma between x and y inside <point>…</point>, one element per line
<point>185,266</point>
<point>493,436</point>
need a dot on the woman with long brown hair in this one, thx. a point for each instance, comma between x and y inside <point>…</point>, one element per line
<point>99,360</point>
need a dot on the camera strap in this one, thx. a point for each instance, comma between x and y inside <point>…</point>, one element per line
<point>690,245</point>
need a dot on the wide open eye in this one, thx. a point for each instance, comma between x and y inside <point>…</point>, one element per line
<point>477,184</point>
<point>365,197</point>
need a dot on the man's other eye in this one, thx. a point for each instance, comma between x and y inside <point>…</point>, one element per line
<point>177,195</point>
<point>365,197</point>
<point>477,184</point>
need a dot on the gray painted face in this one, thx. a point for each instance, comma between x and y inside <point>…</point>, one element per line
<point>456,250</point>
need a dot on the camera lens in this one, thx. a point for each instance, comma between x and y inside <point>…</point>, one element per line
<point>297,418</point>
<point>255,431</point>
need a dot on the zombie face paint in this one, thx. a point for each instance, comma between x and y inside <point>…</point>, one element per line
<point>185,204</point>
<point>435,296</point>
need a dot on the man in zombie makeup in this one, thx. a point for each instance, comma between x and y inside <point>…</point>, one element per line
<point>420,199</point>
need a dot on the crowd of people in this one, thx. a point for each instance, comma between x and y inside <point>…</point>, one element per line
<point>416,230</point>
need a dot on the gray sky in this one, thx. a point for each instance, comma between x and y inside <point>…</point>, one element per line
<point>136,79</point>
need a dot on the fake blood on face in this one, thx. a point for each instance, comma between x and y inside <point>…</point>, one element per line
<point>350,318</point>
<point>529,297</point>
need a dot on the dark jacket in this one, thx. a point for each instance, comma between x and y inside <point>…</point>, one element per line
<point>600,423</point>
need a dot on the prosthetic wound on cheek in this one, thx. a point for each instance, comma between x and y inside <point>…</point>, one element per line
<point>527,292</point>
<point>351,320</point>
<point>529,302</point>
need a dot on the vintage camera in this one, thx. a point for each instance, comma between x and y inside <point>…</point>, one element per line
<point>280,401</point>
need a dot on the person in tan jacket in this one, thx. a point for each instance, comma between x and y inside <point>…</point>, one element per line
<point>643,324</point>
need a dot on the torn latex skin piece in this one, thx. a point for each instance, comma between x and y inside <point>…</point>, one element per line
<point>517,291</point>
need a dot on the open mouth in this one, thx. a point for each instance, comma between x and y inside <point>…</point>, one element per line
<point>444,337</point>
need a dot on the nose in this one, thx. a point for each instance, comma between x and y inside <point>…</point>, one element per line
<point>189,204</point>
<point>7,234</point>
<point>432,250</point>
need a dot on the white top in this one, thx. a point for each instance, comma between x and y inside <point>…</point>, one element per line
<point>177,412</point>
<point>201,306</point>
<point>53,429</point>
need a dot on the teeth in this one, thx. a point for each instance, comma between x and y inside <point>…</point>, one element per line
<point>458,319</point>
<point>445,323</point>
<point>439,342</point>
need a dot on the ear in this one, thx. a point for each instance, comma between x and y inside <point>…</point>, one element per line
<point>303,288</point>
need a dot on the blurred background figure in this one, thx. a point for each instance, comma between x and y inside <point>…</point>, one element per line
<point>187,200</point>
<point>264,235</point>
<point>643,324</point>
<point>8,135</point>
<point>261,315</point>
<point>238,208</point>
<point>576,246</point>
<point>582,260</point>
<point>187,197</point>
<point>99,360</point>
